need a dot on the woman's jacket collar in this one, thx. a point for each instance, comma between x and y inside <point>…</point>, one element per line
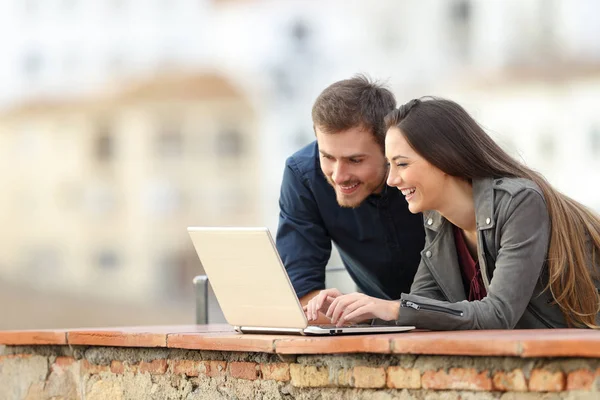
<point>483,195</point>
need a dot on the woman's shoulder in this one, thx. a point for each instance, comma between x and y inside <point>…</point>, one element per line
<point>521,193</point>
<point>513,186</point>
<point>496,196</point>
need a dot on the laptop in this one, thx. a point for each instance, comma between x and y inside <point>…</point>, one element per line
<point>252,286</point>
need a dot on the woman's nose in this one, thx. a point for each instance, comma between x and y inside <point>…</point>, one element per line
<point>393,179</point>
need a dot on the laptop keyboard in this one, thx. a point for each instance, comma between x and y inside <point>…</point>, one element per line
<point>333,326</point>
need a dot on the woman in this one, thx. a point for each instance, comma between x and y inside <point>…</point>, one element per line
<point>503,249</point>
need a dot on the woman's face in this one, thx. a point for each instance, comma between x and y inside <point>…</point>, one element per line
<point>421,183</point>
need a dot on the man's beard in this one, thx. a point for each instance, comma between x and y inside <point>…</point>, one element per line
<point>344,200</point>
<point>355,199</point>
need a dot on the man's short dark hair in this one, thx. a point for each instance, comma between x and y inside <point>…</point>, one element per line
<point>354,102</point>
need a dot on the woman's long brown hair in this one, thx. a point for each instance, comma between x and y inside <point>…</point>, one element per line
<point>443,133</point>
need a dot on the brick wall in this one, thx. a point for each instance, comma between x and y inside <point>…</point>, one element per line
<point>49,372</point>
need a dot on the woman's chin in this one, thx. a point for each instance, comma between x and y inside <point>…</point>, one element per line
<point>414,208</point>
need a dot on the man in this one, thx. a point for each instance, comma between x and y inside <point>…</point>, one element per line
<point>334,190</point>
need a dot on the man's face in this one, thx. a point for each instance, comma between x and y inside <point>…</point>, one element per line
<point>353,163</point>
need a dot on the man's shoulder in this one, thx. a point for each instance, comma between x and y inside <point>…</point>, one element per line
<point>305,161</point>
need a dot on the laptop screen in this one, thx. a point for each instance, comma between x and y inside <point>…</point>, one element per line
<point>248,277</point>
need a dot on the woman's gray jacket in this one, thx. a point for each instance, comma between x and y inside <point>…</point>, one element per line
<point>513,230</point>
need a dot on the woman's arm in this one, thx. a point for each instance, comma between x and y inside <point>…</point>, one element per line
<point>521,255</point>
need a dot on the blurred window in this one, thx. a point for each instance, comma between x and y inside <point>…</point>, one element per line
<point>230,143</point>
<point>107,259</point>
<point>460,11</point>
<point>163,198</point>
<point>300,36</point>
<point>100,200</point>
<point>460,17</point>
<point>175,272</point>
<point>43,261</point>
<point>104,143</point>
<point>32,65</point>
<point>169,141</point>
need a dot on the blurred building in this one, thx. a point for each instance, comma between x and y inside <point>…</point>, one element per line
<point>283,53</point>
<point>97,193</point>
<point>546,117</point>
<point>113,139</point>
<point>69,47</point>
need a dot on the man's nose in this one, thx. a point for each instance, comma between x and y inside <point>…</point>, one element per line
<point>339,173</point>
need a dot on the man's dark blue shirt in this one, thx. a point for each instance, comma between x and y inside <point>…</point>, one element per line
<point>379,242</point>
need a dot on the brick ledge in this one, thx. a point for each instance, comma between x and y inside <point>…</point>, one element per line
<point>519,343</point>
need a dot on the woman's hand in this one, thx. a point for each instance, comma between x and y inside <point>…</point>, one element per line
<point>358,307</point>
<point>320,302</point>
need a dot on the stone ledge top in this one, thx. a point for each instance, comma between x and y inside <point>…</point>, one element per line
<point>221,337</point>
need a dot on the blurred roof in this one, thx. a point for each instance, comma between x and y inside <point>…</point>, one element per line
<point>164,87</point>
<point>197,86</point>
<point>552,73</point>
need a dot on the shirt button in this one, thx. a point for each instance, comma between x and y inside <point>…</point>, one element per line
<point>429,221</point>
<point>428,253</point>
<point>487,220</point>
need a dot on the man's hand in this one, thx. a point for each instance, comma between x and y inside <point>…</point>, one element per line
<point>358,307</point>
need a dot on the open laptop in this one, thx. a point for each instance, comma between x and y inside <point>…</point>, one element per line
<point>252,286</point>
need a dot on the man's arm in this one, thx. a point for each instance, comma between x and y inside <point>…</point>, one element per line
<point>302,239</point>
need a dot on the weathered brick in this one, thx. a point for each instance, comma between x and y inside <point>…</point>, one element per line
<point>309,375</point>
<point>275,371</point>
<point>457,378</point>
<point>403,378</point>
<point>64,362</point>
<point>513,381</point>
<point>243,370</point>
<point>61,363</point>
<point>117,367</point>
<point>120,367</point>
<point>154,367</point>
<point>213,368</point>
<point>13,356</point>
<point>369,377</point>
<point>343,377</point>
<point>546,381</point>
<point>527,396</point>
<point>581,379</point>
<point>185,367</point>
<point>89,368</point>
